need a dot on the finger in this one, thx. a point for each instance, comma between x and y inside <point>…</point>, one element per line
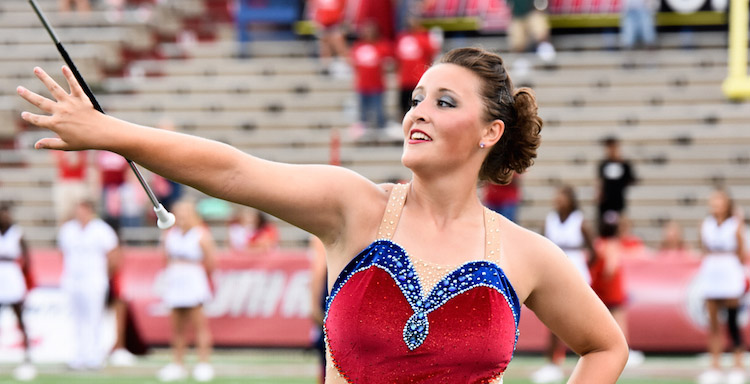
<point>51,143</point>
<point>75,87</point>
<point>38,120</point>
<point>55,89</point>
<point>40,101</point>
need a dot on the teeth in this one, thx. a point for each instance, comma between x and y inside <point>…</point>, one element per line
<point>419,136</point>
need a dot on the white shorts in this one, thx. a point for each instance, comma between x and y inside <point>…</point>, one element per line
<point>12,283</point>
<point>185,285</point>
<point>721,276</point>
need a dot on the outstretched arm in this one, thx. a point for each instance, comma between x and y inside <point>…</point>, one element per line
<point>312,197</point>
<point>562,301</point>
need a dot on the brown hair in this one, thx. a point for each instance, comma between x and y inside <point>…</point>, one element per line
<point>516,149</point>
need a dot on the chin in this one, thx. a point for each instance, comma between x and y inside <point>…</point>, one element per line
<point>413,161</point>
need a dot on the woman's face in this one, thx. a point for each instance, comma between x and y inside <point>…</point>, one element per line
<point>562,202</point>
<point>443,127</point>
<point>5,218</point>
<point>184,213</point>
<point>718,204</point>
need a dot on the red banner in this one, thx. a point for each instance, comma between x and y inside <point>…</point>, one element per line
<point>264,300</point>
<point>665,311</point>
<point>258,300</point>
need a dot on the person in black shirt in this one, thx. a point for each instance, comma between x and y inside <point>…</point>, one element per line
<point>614,176</point>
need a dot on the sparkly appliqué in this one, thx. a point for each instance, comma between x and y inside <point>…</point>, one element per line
<point>394,260</point>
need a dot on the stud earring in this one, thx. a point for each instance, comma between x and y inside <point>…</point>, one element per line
<point>481,145</point>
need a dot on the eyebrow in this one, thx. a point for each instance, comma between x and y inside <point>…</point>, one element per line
<point>421,88</point>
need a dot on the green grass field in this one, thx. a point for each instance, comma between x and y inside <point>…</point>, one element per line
<point>273,366</point>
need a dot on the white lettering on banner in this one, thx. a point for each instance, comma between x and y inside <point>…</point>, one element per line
<point>297,297</point>
<point>259,293</point>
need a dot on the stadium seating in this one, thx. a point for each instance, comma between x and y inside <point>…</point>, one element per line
<point>665,105</point>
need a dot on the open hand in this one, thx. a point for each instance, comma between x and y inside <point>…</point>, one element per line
<point>71,115</point>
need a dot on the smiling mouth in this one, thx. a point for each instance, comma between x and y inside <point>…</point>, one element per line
<point>419,136</point>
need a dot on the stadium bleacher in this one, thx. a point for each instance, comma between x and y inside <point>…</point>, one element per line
<point>665,105</point>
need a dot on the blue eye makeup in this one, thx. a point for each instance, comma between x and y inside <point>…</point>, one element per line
<point>416,99</point>
<point>446,101</point>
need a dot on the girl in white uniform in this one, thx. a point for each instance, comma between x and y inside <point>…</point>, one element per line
<point>565,226</point>
<point>14,259</point>
<point>722,279</point>
<point>90,252</point>
<point>189,248</point>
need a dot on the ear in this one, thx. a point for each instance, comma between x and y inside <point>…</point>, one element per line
<point>492,132</point>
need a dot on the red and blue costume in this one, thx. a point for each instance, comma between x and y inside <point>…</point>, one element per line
<point>383,326</point>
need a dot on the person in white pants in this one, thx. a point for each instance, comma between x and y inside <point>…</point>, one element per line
<point>90,250</point>
<point>14,261</point>
<point>189,248</point>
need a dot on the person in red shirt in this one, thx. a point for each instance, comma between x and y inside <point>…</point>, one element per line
<point>607,274</point>
<point>112,168</point>
<point>504,199</point>
<point>264,236</point>
<point>328,16</point>
<point>251,230</point>
<point>368,56</point>
<point>415,50</point>
<point>70,186</point>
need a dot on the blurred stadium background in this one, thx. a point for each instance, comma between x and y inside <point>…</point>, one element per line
<point>154,60</point>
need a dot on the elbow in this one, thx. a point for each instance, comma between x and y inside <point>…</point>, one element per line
<point>621,351</point>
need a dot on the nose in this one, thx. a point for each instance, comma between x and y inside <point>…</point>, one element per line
<point>417,113</point>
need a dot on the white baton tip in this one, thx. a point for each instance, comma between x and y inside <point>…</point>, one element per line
<point>165,219</point>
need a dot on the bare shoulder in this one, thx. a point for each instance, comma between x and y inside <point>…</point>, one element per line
<point>362,218</point>
<point>527,257</point>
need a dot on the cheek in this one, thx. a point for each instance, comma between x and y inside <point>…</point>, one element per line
<point>462,131</point>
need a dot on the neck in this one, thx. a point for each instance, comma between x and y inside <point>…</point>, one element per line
<point>721,218</point>
<point>445,198</point>
<point>564,213</point>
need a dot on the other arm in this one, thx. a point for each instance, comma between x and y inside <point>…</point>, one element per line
<point>208,246</point>
<point>568,306</point>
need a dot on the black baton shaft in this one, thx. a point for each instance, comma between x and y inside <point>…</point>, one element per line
<point>77,74</point>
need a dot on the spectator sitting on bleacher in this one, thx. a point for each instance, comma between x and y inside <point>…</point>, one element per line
<point>673,245</point>
<point>329,17</point>
<point>632,245</point>
<point>81,5</point>
<point>415,49</point>
<point>529,27</point>
<point>368,56</point>
<point>132,201</point>
<point>251,230</point>
<point>637,23</point>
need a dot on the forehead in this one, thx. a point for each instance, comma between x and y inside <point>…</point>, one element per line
<point>450,76</point>
<point>718,196</point>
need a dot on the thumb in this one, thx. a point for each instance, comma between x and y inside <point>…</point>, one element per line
<point>51,143</point>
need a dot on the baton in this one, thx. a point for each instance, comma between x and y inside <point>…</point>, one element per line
<point>164,218</point>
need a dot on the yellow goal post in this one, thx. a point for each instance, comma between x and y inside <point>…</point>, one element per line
<point>737,83</point>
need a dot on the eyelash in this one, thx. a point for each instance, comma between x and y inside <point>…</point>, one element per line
<point>440,103</point>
